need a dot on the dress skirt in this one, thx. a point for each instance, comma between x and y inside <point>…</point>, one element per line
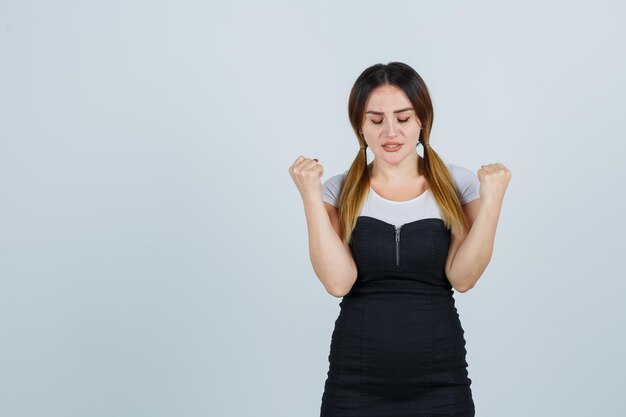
<point>398,346</point>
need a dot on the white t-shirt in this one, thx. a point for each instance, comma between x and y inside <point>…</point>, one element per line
<point>400,212</point>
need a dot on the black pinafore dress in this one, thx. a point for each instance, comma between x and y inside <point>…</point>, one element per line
<point>397,349</point>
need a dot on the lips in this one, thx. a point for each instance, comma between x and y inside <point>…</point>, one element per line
<point>391,149</point>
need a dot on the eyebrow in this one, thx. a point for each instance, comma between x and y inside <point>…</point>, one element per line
<point>381,113</point>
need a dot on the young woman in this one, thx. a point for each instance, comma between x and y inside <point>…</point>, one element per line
<point>393,238</point>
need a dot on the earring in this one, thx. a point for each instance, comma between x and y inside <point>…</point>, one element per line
<point>420,149</point>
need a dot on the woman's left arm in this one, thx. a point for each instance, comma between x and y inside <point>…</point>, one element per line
<point>469,256</point>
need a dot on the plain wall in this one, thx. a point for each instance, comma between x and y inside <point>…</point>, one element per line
<point>153,247</point>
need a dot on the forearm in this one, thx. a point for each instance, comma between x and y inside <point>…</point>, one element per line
<point>330,260</point>
<point>474,253</point>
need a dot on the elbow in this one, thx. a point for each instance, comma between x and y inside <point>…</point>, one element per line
<point>462,289</point>
<point>465,287</point>
<point>463,283</point>
<point>337,292</point>
<point>334,293</point>
<point>340,286</point>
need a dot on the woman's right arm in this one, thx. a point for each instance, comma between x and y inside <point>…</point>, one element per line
<point>331,259</point>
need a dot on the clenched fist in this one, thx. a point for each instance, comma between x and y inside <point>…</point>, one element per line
<point>494,179</point>
<point>306,174</point>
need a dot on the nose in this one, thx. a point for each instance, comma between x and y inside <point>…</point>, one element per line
<point>391,128</point>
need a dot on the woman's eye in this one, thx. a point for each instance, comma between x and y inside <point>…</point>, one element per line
<point>400,120</point>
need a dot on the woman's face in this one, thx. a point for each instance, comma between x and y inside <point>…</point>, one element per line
<point>389,117</point>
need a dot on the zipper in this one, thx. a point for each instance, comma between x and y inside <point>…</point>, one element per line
<point>398,245</point>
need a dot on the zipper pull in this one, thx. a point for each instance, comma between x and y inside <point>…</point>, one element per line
<point>398,245</point>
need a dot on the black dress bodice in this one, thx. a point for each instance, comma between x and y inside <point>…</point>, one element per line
<point>409,258</point>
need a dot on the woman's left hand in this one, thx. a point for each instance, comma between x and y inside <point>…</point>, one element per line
<point>494,179</point>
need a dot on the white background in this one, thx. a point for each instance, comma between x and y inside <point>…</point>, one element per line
<point>153,247</point>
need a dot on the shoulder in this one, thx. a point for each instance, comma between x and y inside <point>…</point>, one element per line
<point>465,181</point>
<point>331,188</point>
<point>336,179</point>
<point>459,172</point>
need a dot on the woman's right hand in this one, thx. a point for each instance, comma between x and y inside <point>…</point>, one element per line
<point>306,174</point>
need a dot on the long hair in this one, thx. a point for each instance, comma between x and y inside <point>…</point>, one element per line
<point>357,182</point>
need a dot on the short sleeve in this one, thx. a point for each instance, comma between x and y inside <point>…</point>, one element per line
<point>331,188</point>
<point>466,183</point>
